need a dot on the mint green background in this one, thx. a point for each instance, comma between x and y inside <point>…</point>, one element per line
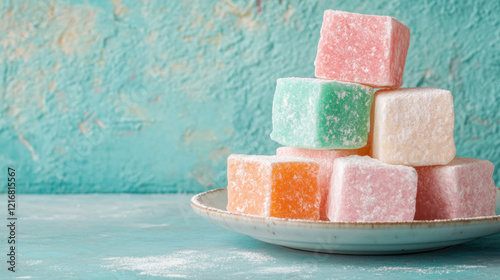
<point>151,96</point>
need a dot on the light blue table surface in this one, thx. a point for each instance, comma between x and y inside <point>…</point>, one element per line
<point>159,236</point>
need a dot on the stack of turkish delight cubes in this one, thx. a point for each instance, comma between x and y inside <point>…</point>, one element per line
<point>355,155</point>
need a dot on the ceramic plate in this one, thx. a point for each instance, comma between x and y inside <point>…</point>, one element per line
<point>347,238</point>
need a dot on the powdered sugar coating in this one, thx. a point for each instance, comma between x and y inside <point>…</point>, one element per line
<point>362,49</point>
<point>325,159</point>
<point>464,188</point>
<point>363,189</point>
<point>413,126</point>
<point>319,114</point>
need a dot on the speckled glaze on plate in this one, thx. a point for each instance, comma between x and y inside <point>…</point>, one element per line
<point>347,238</point>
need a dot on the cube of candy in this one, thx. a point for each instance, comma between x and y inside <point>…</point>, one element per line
<point>321,114</point>
<point>366,190</point>
<point>461,189</point>
<point>363,49</point>
<point>325,159</point>
<point>273,186</point>
<point>413,126</point>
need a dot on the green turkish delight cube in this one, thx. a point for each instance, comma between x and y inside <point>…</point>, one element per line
<point>321,114</point>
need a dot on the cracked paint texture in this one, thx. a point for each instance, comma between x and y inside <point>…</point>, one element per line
<point>152,96</point>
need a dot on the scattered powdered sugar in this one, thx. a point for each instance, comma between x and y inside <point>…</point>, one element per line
<point>471,266</point>
<point>254,257</point>
<point>153,266</point>
<point>33,262</point>
<point>280,270</point>
<point>440,270</point>
<point>182,264</point>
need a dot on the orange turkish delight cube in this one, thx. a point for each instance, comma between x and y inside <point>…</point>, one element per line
<point>273,186</point>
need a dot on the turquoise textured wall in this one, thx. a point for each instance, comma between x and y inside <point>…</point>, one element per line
<point>152,96</point>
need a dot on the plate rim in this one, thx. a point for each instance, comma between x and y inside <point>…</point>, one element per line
<point>199,207</point>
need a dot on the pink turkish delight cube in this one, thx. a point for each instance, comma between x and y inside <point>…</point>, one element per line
<point>364,189</point>
<point>363,49</point>
<point>463,188</point>
<point>325,159</point>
